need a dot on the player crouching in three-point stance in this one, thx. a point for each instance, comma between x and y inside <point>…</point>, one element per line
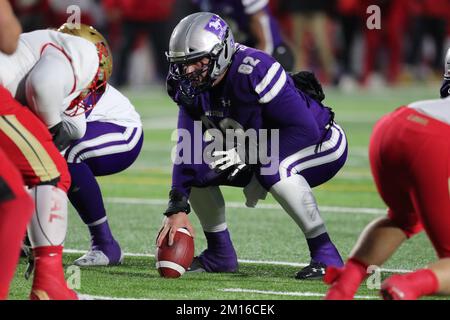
<point>410,162</point>
<point>217,81</point>
<point>51,73</point>
<point>110,141</point>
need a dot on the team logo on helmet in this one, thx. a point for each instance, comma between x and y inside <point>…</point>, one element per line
<point>216,26</point>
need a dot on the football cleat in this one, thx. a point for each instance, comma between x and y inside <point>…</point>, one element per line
<point>95,258</point>
<point>196,266</point>
<point>51,288</point>
<point>335,292</point>
<point>313,271</point>
<point>207,262</point>
<point>54,294</point>
<point>397,287</point>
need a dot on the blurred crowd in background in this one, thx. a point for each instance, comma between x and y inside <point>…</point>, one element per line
<point>329,37</point>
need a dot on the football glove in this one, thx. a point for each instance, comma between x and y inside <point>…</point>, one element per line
<point>226,160</point>
<point>61,138</point>
<point>177,91</point>
<point>307,83</point>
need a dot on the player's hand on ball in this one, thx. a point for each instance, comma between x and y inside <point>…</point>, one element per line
<point>171,224</point>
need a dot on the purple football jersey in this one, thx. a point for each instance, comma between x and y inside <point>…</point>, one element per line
<point>237,13</point>
<point>258,94</point>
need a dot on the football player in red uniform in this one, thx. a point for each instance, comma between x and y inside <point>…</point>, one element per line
<point>410,161</point>
<point>51,72</point>
<point>16,206</point>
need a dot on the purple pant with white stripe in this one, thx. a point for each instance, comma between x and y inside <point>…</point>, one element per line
<point>105,149</point>
<point>316,164</point>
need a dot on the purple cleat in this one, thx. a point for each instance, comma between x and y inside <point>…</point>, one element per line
<point>220,255</point>
<point>323,254</point>
<point>101,254</point>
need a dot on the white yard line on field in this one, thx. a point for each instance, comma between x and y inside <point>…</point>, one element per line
<point>82,296</point>
<point>264,206</point>
<point>287,293</point>
<point>244,261</point>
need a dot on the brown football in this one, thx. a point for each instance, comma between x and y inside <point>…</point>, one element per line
<point>173,261</point>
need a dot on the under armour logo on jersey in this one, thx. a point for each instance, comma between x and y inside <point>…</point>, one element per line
<point>225,102</point>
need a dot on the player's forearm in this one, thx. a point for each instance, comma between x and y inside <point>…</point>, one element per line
<point>260,29</point>
<point>10,28</point>
<point>182,178</point>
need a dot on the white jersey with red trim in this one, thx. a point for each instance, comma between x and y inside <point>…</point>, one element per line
<point>78,56</point>
<point>114,107</point>
<point>438,109</point>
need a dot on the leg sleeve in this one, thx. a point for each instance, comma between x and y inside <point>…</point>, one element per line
<point>209,206</point>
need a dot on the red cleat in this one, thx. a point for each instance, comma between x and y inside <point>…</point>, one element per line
<point>344,281</point>
<point>398,287</point>
<point>336,291</point>
<point>332,274</point>
<point>48,281</point>
<point>50,288</point>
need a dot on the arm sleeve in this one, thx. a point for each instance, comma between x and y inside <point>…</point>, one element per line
<point>50,81</point>
<point>184,169</point>
<point>10,28</point>
<point>253,6</point>
<point>282,107</point>
<point>271,87</point>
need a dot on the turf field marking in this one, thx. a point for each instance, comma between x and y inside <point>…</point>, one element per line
<point>287,293</point>
<point>82,296</point>
<point>244,261</point>
<point>265,206</point>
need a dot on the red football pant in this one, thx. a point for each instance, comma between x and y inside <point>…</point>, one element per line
<point>16,208</point>
<point>410,161</point>
<point>29,145</point>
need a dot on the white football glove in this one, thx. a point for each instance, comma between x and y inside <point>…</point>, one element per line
<point>228,159</point>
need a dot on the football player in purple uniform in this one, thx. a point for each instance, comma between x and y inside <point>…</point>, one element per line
<point>219,84</point>
<point>252,24</point>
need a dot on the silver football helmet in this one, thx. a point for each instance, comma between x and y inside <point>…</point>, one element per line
<point>197,36</point>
